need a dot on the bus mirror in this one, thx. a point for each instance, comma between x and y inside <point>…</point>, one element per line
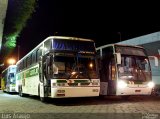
<point>118,57</point>
<point>48,65</point>
<point>55,69</point>
<point>156,61</point>
<point>48,70</point>
<point>48,60</point>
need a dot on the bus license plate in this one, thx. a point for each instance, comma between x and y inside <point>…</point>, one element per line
<point>137,90</point>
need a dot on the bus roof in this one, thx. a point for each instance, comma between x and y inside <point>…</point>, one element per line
<point>9,67</point>
<point>69,38</point>
<point>118,45</point>
<point>56,37</point>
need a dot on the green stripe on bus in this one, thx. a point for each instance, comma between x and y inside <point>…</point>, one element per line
<point>19,76</point>
<point>80,81</point>
<point>61,81</point>
<point>32,72</point>
<point>76,81</point>
<point>29,73</point>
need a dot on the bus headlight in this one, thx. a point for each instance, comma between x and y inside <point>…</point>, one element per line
<point>150,84</point>
<point>122,84</point>
<point>95,82</point>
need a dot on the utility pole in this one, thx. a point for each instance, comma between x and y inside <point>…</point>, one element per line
<point>55,33</point>
<point>120,37</point>
<point>18,52</point>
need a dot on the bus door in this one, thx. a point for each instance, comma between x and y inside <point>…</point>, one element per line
<point>41,89</point>
<point>112,82</point>
<point>47,72</point>
<point>107,76</point>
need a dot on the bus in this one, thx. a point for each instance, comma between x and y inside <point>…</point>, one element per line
<point>59,67</point>
<point>0,81</point>
<point>155,68</point>
<point>124,70</point>
<point>8,79</point>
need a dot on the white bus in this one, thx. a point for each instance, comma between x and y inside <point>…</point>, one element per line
<point>8,79</point>
<point>155,68</point>
<point>124,70</point>
<point>59,67</point>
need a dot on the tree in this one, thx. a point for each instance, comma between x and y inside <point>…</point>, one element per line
<point>18,12</point>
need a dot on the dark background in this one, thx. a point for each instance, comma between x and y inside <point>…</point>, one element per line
<point>98,20</point>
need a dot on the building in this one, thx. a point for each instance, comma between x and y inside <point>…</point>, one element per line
<point>151,42</point>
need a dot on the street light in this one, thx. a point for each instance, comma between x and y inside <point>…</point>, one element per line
<point>11,61</point>
<point>1,64</point>
<point>55,33</point>
<point>18,51</point>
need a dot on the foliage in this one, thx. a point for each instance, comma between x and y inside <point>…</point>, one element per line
<point>18,12</point>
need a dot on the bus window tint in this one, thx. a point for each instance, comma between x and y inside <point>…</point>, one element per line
<point>74,67</point>
<point>134,68</point>
<point>12,78</point>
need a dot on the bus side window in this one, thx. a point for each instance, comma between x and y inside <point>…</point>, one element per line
<point>98,59</point>
<point>24,64</point>
<point>112,70</point>
<point>38,54</point>
<point>48,65</point>
<point>33,57</point>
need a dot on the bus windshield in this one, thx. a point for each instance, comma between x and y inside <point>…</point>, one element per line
<point>12,78</point>
<point>74,67</point>
<point>134,68</point>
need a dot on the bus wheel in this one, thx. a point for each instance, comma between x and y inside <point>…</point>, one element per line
<point>20,91</point>
<point>43,99</point>
<point>125,97</point>
<point>101,96</point>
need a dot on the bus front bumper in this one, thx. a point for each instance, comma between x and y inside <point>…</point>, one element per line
<point>62,92</point>
<point>134,91</point>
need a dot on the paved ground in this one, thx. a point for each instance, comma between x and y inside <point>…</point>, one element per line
<point>136,107</point>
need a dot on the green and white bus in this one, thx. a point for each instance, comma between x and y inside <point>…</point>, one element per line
<point>124,70</point>
<point>59,67</point>
<point>8,79</point>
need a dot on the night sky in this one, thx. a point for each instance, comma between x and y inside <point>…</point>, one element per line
<point>100,21</point>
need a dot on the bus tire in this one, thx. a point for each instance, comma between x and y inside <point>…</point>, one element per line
<point>101,96</point>
<point>42,99</point>
<point>125,97</point>
<point>20,92</point>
